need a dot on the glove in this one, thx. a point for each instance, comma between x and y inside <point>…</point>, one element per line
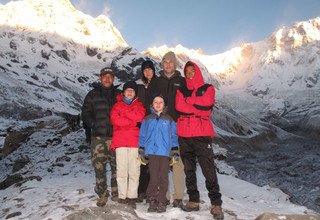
<point>143,159</point>
<point>186,93</point>
<point>174,156</point>
<point>138,124</point>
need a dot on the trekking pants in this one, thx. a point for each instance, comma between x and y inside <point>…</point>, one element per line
<point>191,150</point>
<point>100,156</point>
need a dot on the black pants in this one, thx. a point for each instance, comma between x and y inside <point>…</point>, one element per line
<point>158,185</point>
<point>199,148</point>
<point>143,179</point>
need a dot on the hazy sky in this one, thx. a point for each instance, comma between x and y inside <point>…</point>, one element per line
<point>213,25</point>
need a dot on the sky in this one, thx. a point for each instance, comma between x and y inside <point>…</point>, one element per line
<point>212,25</point>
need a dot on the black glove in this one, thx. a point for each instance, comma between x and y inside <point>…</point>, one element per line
<point>138,124</point>
<point>143,159</point>
<point>186,93</point>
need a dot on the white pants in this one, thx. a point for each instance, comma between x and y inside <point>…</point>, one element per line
<point>128,172</point>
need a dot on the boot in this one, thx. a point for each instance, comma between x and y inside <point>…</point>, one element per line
<point>177,203</point>
<point>114,198</point>
<point>162,207</point>
<point>153,206</point>
<point>123,201</point>
<point>191,206</point>
<point>132,203</point>
<point>216,211</point>
<point>102,200</point>
<point>141,197</point>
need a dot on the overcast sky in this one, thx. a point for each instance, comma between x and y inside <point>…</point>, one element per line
<point>213,25</point>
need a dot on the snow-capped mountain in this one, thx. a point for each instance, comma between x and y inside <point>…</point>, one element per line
<point>50,53</point>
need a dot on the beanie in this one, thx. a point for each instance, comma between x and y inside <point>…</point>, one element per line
<point>130,84</point>
<point>155,95</point>
<point>169,56</point>
<point>147,64</point>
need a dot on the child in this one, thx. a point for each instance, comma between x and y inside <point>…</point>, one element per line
<point>158,141</point>
<point>126,116</point>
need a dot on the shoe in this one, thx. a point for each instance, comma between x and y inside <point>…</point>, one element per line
<point>102,201</point>
<point>162,207</point>
<point>114,198</point>
<point>167,202</point>
<point>216,211</point>
<point>132,203</point>
<point>122,201</point>
<point>141,197</point>
<point>191,206</point>
<point>153,206</point>
<point>177,203</point>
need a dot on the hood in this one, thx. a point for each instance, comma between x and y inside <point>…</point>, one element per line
<point>197,81</point>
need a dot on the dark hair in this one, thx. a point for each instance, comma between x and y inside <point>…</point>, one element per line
<point>189,63</point>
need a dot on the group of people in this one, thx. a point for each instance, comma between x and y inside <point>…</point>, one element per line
<point>144,129</point>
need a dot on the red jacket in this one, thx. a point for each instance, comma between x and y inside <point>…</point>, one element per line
<point>195,106</point>
<point>124,119</point>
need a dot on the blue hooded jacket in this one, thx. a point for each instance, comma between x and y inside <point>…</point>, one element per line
<point>158,134</point>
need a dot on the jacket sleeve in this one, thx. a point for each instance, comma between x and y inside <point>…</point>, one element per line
<point>87,111</point>
<point>182,105</point>
<point>143,133</point>
<point>174,135</point>
<point>117,118</point>
<point>207,99</point>
<point>136,113</point>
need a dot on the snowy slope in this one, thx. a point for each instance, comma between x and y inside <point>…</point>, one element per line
<point>48,61</point>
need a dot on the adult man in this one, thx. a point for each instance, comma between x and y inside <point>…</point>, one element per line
<point>96,115</point>
<point>167,84</point>
<point>195,132</point>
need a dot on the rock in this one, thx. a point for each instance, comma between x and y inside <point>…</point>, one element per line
<point>272,216</point>
<point>10,180</point>
<point>13,215</point>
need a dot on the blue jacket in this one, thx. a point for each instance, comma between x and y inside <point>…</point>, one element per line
<point>158,134</point>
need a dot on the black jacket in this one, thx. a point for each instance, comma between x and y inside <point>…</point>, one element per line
<point>168,88</point>
<point>145,95</point>
<point>96,109</point>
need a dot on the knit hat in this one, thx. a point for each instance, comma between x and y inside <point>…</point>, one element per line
<point>130,84</point>
<point>147,64</point>
<point>105,71</point>
<point>155,95</point>
<point>169,56</point>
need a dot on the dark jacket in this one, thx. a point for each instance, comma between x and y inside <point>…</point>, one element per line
<point>96,109</point>
<point>168,88</point>
<point>145,95</point>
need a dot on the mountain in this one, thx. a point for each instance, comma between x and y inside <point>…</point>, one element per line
<point>266,96</point>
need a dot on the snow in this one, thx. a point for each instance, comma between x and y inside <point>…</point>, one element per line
<point>70,188</point>
<point>276,77</point>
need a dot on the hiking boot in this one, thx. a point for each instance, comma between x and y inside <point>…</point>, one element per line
<point>102,201</point>
<point>162,207</point>
<point>216,211</point>
<point>114,198</point>
<point>122,201</point>
<point>191,206</point>
<point>141,197</point>
<point>132,203</point>
<point>177,203</point>
<point>153,206</point>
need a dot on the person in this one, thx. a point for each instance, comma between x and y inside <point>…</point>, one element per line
<point>126,117</point>
<point>96,116</point>
<point>195,132</point>
<point>167,84</point>
<point>145,92</point>
<point>158,140</point>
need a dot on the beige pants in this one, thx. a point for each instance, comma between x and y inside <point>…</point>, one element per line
<point>128,172</point>
<point>178,177</point>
